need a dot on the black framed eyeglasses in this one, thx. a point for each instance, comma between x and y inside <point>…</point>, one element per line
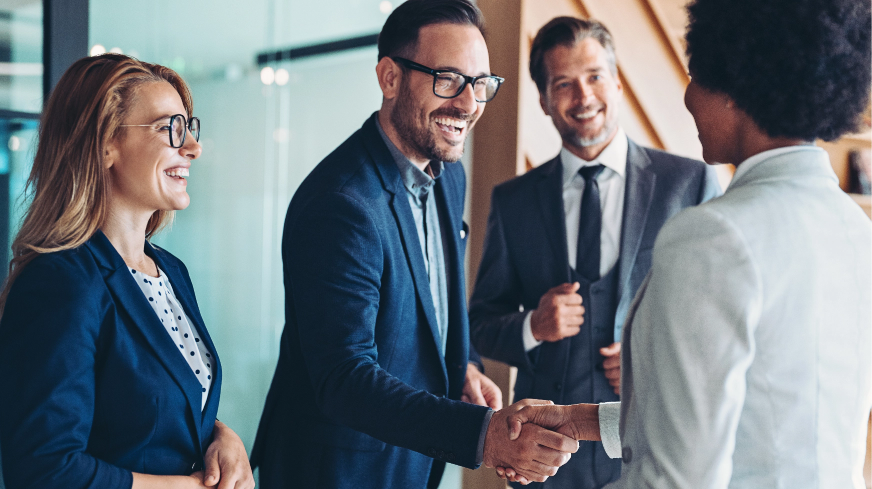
<point>177,129</point>
<point>449,84</point>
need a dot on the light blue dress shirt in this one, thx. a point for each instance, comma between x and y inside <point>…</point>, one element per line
<point>419,190</point>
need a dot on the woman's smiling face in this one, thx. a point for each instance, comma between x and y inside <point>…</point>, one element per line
<point>146,173</point>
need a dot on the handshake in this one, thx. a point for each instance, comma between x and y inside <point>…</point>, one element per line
<point>534,452</point>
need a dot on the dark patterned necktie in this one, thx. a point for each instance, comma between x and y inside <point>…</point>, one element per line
<point>587,261</point>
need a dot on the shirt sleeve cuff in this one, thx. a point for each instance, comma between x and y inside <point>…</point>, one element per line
<point>479,452</point>
<point>609,421</point>
<point>530,341</point>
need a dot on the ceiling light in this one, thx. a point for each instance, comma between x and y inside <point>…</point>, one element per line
<point>282,76</point>
<point>267,75</point>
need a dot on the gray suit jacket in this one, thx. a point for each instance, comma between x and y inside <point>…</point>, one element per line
<point>747,356</point>
<point>525,251</point>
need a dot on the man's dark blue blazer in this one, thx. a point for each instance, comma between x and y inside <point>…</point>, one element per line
<point>92,386</point>
<point>362,396</point>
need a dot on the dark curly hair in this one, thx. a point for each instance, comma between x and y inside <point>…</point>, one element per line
<point>399,35</point>
<point>798,68</point>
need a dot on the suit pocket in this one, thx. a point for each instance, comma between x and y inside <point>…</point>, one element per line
<point>338,436</point>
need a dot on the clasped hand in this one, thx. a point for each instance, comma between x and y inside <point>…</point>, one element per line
<point>576,422</point>
<point>534,453</point>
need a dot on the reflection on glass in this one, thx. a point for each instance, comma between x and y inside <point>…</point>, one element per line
<point>17,148</point>
<point>21,55</point>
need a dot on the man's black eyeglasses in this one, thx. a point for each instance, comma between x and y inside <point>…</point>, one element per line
<point>449,84</point>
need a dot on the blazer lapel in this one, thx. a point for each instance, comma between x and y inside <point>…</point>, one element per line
<point>393,184</point>
<point>185,295</point>
<point>549,191</point>
<point>129,298</point>
<point>637,200</point>
<point>450,217</point>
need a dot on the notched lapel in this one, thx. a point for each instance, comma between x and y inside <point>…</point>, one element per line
<point>415,258</point>
<point>129,298</point>
<point>549,190</point>
<point>637,200</point>
<point>185,295</point>
<point>393,184</point>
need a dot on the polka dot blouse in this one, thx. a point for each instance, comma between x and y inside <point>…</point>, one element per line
<point>160,296</point>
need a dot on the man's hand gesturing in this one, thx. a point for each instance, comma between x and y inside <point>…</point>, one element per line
<point>559,315</point>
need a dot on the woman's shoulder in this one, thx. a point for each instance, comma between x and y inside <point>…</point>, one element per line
<point>59,274</point>
<point>75,265</point>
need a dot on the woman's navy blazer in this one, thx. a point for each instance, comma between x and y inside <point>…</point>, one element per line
<point>92,387</point>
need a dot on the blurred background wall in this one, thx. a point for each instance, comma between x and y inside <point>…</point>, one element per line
<point>277,85</point>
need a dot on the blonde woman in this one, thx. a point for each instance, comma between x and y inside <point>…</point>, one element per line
<point>107,372</point>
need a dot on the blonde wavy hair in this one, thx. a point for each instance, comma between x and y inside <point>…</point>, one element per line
<point>69,185</point>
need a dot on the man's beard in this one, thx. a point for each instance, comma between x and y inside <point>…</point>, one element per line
<point>572,136</point>
<point>420,140</point>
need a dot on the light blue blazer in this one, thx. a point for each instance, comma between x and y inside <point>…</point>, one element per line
<point>747,355</point>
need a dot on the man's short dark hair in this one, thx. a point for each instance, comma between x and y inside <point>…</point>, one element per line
<point>798,68</point>
<point>399,35</point>
<point>567,31</point>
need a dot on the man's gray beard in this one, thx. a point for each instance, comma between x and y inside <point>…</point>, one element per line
<point>574,139</point>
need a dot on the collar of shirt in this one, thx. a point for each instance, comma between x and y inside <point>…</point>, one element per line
<point>758,158</point>
<point>416,181</point>
<point>613,157</point>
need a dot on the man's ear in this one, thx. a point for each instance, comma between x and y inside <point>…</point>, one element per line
<point>389,77</point>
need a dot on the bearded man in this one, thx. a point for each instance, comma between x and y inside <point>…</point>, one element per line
<point>375,355</point>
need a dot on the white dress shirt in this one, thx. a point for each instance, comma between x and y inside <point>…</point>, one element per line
<point>612,185</point>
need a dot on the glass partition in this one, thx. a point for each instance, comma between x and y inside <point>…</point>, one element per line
<point>21,55</point>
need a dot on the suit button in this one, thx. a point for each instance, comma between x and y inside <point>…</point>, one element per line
<point>627,455</point>
<point>449,457</point>
<point>440,454</point>
<point>558,386</point>
<point>431,452</point>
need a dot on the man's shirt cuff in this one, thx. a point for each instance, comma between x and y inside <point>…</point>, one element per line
<point>609,422</point>
<point>479,453</point>
<point>530,341</point>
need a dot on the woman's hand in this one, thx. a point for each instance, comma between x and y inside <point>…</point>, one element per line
<point>226,461</point>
